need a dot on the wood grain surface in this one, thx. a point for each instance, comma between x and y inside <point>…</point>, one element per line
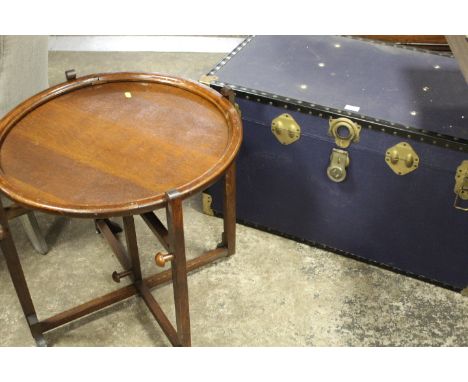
<point>432,42</point>
<point>113,144</point>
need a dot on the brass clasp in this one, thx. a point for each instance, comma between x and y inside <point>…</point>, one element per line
<point>461,185</point>
<point>401,158</point>
<point>285,129</point>
<point>344,131</point>
<point>339,160</point>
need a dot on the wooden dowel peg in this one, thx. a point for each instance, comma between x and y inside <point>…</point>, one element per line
<point>116,276</point>
<point>162,258</point>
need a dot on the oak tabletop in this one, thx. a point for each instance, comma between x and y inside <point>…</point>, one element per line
<point>114,144</point>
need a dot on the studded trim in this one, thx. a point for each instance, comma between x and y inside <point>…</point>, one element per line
<point>399,130</point>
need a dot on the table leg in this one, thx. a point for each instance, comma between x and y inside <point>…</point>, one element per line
<point>143,290</point>
<point>132,246</point>
<point>229,209</point>
<point>175,226</point>
<point>172,239</point>
<point>19,281</point>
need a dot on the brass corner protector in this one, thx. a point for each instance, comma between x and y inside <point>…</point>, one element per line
<point>207,79</point>
<point>461,186</point>
<point>461,178</point>
<point>206,204</point>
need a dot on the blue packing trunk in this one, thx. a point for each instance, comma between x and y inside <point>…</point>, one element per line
<point>392,196</point>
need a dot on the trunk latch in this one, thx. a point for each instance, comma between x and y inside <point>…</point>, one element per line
<point>344,131</point>
<point>285,129</point>
<point>339,160</point>
<point>401,158</point>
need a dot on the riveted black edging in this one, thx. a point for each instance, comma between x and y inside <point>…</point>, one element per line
<point>395,129</point>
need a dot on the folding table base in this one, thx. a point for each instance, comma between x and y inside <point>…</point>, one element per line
<point>172,239</point>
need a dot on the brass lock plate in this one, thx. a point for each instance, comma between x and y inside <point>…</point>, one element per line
<point>402,159</point>
<point>285,129</point>
<point>344,131</point>
<point>339,160</point>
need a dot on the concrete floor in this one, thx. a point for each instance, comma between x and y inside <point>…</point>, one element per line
<point>273,292</point>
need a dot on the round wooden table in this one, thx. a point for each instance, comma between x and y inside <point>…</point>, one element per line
<point>121,144</point>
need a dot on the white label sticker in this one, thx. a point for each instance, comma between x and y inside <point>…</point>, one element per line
<point>352,108</point>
